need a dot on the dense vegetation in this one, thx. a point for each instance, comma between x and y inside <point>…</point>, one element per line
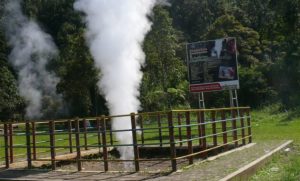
<point>268,39</point>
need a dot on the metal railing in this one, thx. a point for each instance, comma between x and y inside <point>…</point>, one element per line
<point>199,131</point>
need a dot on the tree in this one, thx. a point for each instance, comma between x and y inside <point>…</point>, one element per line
<point>255,90</point>
<point>286,74</point>
<point>75,66</point>
<point>254,84</point>
<point>76,70</point>
<point>164,83</point>
<point>52,14</point>
<point>10,100</point>
<point>194,17</point>
<point>248,44</point>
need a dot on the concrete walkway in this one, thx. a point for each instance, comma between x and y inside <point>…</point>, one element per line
<point>214,168</point>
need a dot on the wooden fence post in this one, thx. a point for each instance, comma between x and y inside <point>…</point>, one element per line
<point>199,129</point>
<point>234,128</point>
<point>159,129</point>
<point>214,127</point>
<point>6,145</point>
<point>85,133</point>
<point>110,132</point>
<point>98,133</point>
<point>52,143</point>
<point>134,142</point>
<point>189,136</point>
<point>203,133</point>
<point>249,125</point>
<point>33,128</point>
<point>11,144</point>
<point>179,129</point>
<point>104,147</point>
<point>172,141</point>
<point>70,135</point>
<point>242,126</point>
<point>77,137</point>
<point>28,145</point>
<point>224,129</point>
<point>142,129</point>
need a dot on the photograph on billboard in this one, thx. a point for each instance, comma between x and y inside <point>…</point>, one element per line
<point>212,65</point>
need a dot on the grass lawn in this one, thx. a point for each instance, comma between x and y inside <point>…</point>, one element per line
<point>268,125</point>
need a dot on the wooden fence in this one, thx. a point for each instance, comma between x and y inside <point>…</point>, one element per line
<point>200,131</point>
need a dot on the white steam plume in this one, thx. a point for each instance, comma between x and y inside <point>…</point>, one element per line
<point>31,51</point>
<point>115,32</point>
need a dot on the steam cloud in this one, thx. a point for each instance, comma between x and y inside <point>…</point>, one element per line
<point>31,51</point>
<point>115,32</point>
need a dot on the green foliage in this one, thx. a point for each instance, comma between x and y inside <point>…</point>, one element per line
<point>286,73</point>
<point>267,35</point>
<point>248,44</point>
<point>76,69</point>
<point>253,82</point>
<point>75,66</point>
<point>194,17</point>
<point>3,50</point>
<point>216,99</point>
<point>254,88</point>
<point>164,84</point>
<point>10,101</point>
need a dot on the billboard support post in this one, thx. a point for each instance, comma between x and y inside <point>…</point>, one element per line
<point>234,102</point>
<point>201,100</point>
<point>233,98</point>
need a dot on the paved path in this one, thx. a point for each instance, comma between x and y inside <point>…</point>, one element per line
<point>212,169</point>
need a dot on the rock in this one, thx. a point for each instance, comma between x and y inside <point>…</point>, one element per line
<point>274,169</point>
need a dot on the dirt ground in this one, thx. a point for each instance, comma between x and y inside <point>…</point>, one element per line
<point>210,169</point>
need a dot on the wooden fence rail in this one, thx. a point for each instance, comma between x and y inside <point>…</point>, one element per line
<point>199,131</point>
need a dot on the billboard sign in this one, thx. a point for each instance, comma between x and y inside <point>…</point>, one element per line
<point>212,65</point>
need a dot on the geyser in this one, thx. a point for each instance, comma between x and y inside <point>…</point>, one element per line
<point>31,51</point>
<point>115,32</point>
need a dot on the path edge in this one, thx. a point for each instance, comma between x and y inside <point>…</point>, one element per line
<point>248,170</point>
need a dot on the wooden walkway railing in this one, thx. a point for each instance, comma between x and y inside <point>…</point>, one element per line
<point>206,129</point>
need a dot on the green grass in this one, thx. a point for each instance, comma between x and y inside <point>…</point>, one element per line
<point>20,153</point>
<point>268,124</point>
